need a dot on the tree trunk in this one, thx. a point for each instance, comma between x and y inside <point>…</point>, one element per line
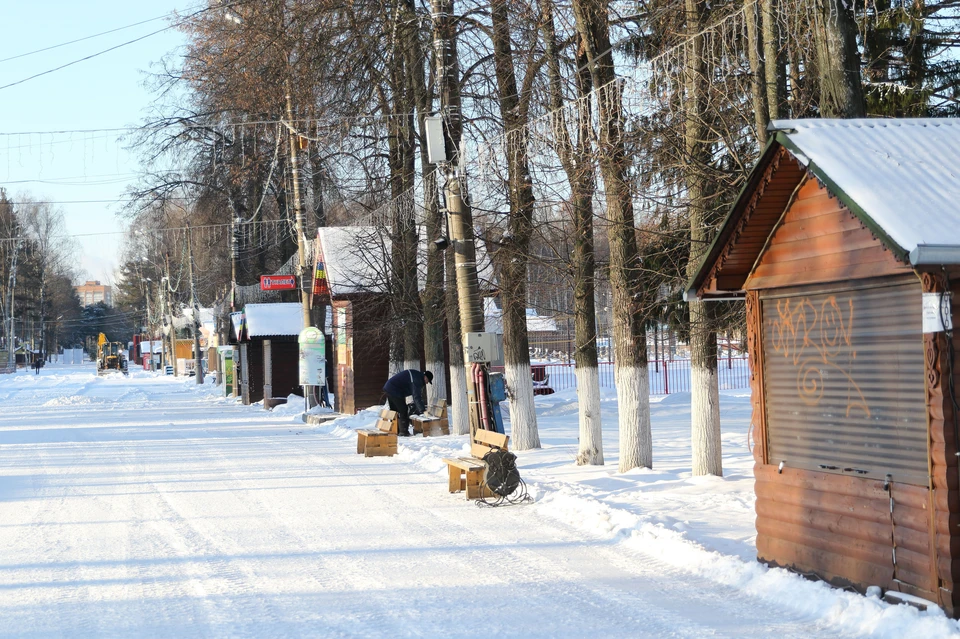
<point>704,391</point>
<point>630,344</point>
<point>513,254</point>
<point>774,66</point>
<point>578,166</point>
<point>406,337</point>
<point>838,61</point>
<point>757,72</point>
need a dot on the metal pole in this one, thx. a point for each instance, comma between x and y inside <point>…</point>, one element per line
<point>197,355</point>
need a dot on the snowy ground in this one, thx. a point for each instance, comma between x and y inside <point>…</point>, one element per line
<point>146,506</point>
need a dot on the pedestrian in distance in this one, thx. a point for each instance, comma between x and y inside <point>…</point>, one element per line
<point>408,383</point>
<point>37,365</point>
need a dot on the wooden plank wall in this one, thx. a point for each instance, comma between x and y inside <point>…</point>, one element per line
<point>364,370</point>
<point>840,529</point>
<point>819,241</point>
<point>943,444</point>
<point>370,323</point>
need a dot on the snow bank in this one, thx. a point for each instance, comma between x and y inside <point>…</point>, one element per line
<point>700,525</point>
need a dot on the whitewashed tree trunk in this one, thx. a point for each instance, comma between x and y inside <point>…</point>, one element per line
<point>437,389</point>
<point>576,158</point>
<point>512,257</point>
<point>705,407</point>
<point>591,434</point>
<point>631,300</point>
<point>705,421</point>
<point>522,410</point>
<point>396,365</point>
<point>459,411</point>
<point>633,399</point>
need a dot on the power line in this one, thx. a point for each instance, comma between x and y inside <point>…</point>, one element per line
<point>89,37</point>
<point>85,58</point>
<point>332,122</point>
<point>118,46</point>
<point>163,230</point>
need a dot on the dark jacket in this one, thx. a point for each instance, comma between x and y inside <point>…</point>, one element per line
<point>407,383</point>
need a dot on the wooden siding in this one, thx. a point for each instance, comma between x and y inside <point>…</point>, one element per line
<point>251,356</point>
<point>819,241</point>
<point>943,445</point>
<point>286,367</point>
<point>841,529</point>
<point>753,218</point>
<point>363,362</point>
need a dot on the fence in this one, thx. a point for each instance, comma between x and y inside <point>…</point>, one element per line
<point>666,376</point>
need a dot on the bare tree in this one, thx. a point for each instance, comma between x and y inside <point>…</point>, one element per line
<point>630,342</point>
<point>515,244</point>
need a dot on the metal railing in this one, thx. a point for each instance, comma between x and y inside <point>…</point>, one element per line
<point>666,376</point>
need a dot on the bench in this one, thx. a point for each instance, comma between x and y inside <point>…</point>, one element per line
<point>380,441</point>
<point>467,473</point>
<point>434,422</point>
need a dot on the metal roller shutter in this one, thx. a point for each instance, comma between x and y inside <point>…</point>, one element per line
<point>844,380</point>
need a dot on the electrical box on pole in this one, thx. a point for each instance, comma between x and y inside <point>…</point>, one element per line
<point>482,348</point>
<point>436,146</point>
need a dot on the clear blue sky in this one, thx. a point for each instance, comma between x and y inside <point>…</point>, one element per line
<point>104,92</point>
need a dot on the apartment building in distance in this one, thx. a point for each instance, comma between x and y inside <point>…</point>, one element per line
<point>93,292</point>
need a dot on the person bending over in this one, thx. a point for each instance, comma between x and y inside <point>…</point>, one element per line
<point>402,385</point>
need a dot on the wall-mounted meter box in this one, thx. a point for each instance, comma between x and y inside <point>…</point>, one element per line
<point>482,348</point>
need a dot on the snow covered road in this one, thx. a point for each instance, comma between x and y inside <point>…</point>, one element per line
<point>143,506</point>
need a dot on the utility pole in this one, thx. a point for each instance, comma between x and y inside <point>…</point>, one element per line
<point>169,309</point>
<point>234,255</point>
<point>197,355</point>
<point>294,141</point>
<point>11,340</point>
<point>459,215</point>
<point>149,324</point>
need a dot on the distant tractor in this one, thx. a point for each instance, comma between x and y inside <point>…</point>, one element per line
<point>111,356</point>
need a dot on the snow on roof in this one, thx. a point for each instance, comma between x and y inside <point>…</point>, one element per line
<point>145,346</point>
<point>493,319</point>
<point>266,320</point>
<point>903,173</point>
<point>357,259</point>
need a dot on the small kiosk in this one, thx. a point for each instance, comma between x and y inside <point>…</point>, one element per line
<point>845,244</point>
<point>269,352</point>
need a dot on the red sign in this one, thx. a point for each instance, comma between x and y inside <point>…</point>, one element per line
<point>278,282</point>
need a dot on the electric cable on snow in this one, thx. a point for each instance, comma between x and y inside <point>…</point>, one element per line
<point>503,479</point>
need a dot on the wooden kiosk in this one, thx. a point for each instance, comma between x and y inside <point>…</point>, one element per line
<point>269,353</point>
<point>845,243</point>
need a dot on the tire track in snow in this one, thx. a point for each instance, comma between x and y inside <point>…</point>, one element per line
<point>528,566</point>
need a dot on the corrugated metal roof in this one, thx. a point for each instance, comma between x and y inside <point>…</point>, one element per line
<point>904,174</point>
